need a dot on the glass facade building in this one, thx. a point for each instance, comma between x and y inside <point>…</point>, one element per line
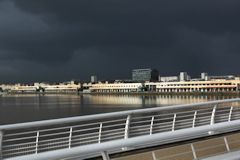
<point>142,75</point>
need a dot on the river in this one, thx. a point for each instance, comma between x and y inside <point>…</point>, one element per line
<point>26,108</point>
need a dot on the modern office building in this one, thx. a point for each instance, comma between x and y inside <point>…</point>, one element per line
<point>142,75</point>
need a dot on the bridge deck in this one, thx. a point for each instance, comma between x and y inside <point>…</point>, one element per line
<point>223,146</point>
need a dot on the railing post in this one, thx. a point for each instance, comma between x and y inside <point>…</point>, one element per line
<point>212,120</point>
<point>1,139</point>
<point>154,157</point>
<point>37,139</point>
<point>105,155</point>
<point>193,152</point>
<point>174,120</point>
<point>127,127</point>
<point>151,125</point>
<point>230,114</point>
<point>226,144</point>
<point>213,115</point>
<point>194,119</point>
<point>100,133</point>
<point>70,137</point>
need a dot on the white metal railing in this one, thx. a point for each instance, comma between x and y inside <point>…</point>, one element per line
<point>34,138</point>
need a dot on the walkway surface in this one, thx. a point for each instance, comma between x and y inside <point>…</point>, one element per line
<point>210,149</point>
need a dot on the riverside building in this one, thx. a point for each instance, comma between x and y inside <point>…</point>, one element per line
<point>116,87</point>
<point>66,87</point>
<point>214,86</point>
<point>195,86</point>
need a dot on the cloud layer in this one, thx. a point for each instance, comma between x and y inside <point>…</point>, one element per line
<point>61,40</point>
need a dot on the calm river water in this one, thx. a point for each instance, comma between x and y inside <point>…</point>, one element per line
<point>25,108</point>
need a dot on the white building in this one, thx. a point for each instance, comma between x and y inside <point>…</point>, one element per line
<point>116,87</point>
<point>93,79</point>
<point>168,78</point>
<point>204,76</point>
<point>183,76</point>
<point>195,86</point>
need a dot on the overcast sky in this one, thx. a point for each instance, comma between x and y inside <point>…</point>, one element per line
<point>47,40</point>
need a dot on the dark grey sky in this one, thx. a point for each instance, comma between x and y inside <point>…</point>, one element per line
<point>47,40</point>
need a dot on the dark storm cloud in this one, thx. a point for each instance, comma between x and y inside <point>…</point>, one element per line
<point>60,40</point>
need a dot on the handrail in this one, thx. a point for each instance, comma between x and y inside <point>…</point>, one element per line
<point>1,137</point>
<point>68,133</point>
<point>109,115</point>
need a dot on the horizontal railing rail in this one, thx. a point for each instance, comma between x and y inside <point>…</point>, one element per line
<point>40,137</point>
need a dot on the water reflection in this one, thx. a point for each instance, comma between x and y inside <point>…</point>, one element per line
<point>22,108</point>
<point>113,99</point>
<point>158,100</point>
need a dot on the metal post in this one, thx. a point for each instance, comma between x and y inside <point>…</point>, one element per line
<point>105,155</point>
<point>127,126</point>
<point>1,139</point>
<point>193,151</point>
<point>100,133</point>
<point>194,119</point>
<point>213,115</point>
<point>37,139</point>
<point>70,138</point>
<point>151,125</point>
<point>226,144</point>
<point>174,120</point>
<point>230,114</point>
<point>154,157</point>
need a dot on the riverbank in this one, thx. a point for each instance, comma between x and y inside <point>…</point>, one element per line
<point>235,94</point>
<point>232,94</point>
